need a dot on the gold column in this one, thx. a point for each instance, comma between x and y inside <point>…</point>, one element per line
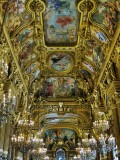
<point>2,133</point>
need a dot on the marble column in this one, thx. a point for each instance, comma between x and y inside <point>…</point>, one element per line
<point>2,133</point>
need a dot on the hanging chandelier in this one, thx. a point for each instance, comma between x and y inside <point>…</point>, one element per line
<point>3,69</point>
<point>7,106</point>
<point>100,125</point>
<point>25,122</point>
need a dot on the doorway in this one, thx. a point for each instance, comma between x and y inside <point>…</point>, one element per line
<point>60,154</point>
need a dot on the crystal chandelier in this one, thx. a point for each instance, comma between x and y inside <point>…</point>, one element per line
<point>7,106</point>
<point>3,69</point>
<point>25,122</point>
<point>100,125</point>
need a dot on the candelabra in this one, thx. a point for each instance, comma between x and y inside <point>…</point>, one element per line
<point>89,147</point>
<point>24,140</point>
<point>86,149</point>
<point>106,143</point>
<point>7,106</point>
<point>40,153</point>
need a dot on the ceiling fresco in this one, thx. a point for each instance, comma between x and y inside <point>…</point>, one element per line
<point>61,22</point>
<point>27,54</point>
<point>57,87</point>
<point>60,47</point>
<point>94,53</point>
<point>60,61</point>
<point>16,15</point>
<point>24,35</point>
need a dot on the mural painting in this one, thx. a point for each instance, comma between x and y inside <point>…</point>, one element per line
<point>60,61</point>
<point>27,53</point>
<point>106,14</point>
<point>35,75</point>
<point>24,35</point>
<point>67,136</point>
<point>95,53</point>
<point>99,35</point>
<point>87,76</point>
<point>30,68</point>
<point>62,120</point>
<point>61,21</point>
<point>88,66</point>
<point>56,87</point>
<point>17,15</point>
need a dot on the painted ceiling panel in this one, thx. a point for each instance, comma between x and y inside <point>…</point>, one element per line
<point>27,53</point>
<point>60,87</point>
<point>95,53</point>
<point>48,39</point>
<point>106,14</point>
<point>16,15</point>
<point>24,35</point>
<point>61,22</point>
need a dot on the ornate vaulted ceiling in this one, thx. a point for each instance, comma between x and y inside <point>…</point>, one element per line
<point>60,48</point>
